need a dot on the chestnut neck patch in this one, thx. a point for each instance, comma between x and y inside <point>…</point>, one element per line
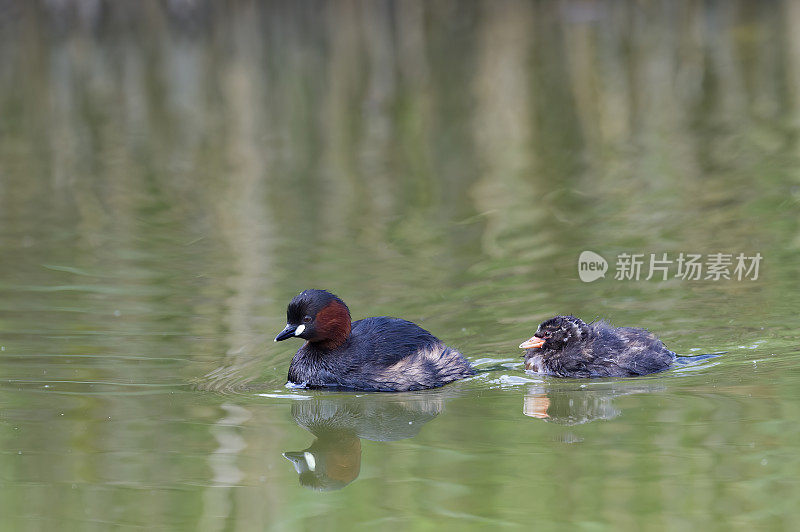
<point>333,325</point>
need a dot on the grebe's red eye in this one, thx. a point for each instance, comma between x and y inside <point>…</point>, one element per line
<point>307,319</point>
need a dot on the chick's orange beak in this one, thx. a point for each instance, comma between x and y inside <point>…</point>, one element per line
<point>533,341</point>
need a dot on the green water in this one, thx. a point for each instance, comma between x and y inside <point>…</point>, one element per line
<point>172,174</point>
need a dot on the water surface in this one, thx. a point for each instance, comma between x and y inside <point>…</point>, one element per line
<point>171,175</point>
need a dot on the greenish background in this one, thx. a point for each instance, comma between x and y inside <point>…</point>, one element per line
<point>171,173</point>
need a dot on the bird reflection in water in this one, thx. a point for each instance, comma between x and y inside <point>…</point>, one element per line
<point>339,423</point>
<point>580,403</point>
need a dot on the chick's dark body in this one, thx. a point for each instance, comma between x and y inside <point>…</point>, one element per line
<point>605,351</point>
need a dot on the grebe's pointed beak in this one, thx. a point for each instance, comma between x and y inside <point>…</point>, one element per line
<point>287,332</point>
<point>301,460</point>
<point>536,406</point>
<point>533,341</point>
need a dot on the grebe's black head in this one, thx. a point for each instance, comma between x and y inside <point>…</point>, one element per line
<point>332,462</point>
<point>319,317</point>
<point>557,332</point>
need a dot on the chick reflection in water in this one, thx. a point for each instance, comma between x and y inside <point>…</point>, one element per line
<point>339,423</point>
<point>575,405</point>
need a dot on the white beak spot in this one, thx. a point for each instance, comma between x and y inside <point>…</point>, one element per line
<point>311,462</point>
<point>299,330</point>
